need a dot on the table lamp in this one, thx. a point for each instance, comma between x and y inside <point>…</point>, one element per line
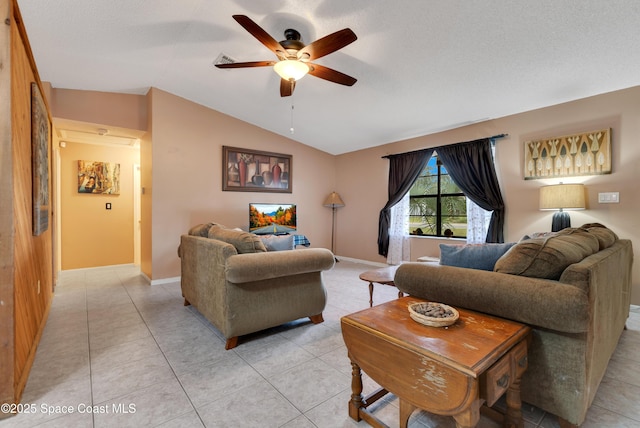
<point>562,197</point>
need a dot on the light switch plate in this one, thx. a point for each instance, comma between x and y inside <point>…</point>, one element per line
<point>609,198</point>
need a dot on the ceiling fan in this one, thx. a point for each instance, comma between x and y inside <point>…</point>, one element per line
<point>294,56</point>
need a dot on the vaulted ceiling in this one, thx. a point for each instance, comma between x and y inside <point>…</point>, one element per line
<point>422,66</point>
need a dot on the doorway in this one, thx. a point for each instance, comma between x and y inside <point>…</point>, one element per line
<point>110,231</point>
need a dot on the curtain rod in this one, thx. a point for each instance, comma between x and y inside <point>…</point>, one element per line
<point>495,137</point>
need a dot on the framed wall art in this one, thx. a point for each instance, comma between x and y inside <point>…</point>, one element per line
<point>245,170</point>
<point>588,153</point>
<point>40,138</point>
<point>98,178</point>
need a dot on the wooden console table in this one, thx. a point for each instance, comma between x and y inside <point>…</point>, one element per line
<point>444,370</point>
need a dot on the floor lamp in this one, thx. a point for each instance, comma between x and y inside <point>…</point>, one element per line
<point>334,202</point>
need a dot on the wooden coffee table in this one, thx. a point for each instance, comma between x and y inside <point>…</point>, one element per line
<point>444,370</point>
<point>382,276</point>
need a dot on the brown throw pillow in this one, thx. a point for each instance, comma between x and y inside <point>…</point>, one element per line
<point>244,242</point>
<point>201,229</point>
<point>606,237</point>
<point>548,257</point>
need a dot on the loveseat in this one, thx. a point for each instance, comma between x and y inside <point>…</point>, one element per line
<point>229,277</point>
<point>572,287</point>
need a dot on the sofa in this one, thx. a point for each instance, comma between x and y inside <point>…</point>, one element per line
<point>232,280</point>
<point>572,287</point>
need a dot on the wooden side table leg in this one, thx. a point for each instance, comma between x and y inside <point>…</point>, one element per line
<point>513,417</point>
<point>470,417</point>
<point>370,294</point>
<point>406,409</point>
<point>356,401</point>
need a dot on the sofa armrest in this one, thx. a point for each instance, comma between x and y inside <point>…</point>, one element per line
<point>243,268</point>
<point>538,302</point>
<point>201,263</point>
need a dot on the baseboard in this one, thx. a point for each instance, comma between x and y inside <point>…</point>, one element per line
<point>164,280</point>
<point>160,281</point>
<point>96,268</point>
<point>144,275</point>
<point>149,280</point>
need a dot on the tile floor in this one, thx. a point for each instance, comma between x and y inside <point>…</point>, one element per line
<point>121,353</point>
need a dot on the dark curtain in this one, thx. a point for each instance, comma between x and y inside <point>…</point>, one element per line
<point>471,167</point>
<point>403,170</point>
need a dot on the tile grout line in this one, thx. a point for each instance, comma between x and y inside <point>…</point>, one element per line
<point>301,413</point>
<point>86,303</point>
<point>175,375</point>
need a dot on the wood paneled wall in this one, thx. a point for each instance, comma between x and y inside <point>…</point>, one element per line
<point>6,214</point>
<point>31,288</point>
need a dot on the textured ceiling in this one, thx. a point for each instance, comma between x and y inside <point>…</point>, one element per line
<point>422,66</point>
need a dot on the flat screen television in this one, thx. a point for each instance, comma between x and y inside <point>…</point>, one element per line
<point>272,219</point>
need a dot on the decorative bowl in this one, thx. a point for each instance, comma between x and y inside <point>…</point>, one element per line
<point>433,314</point>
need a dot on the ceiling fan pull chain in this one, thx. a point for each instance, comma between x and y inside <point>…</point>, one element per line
<point>292,129</point>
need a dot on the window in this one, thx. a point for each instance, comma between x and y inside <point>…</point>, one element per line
<point>437,206</point>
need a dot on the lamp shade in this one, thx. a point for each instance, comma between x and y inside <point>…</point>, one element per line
<point>562,196</point>
<point>291,69</point>
<point>333,201</point>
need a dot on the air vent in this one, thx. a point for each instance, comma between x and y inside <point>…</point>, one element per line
<point>224,59</point>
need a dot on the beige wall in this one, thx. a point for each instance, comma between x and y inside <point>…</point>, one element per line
<point>91,235</point>
<point>358,221</point>
<point>181,173</point>
<point>109,109</point>
<point>187,178</point>
<point>146,201</point>
<point>180,159</point>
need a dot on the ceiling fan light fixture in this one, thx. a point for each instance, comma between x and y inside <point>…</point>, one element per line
<point>294,56</point>
<point>291,69</point>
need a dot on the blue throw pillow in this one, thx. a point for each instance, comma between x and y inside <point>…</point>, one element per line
<point>473,256</point>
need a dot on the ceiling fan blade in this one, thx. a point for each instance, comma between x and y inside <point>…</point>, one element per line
<point>331,75</point>
<point>327,44</point>
<point>287,87</point>
<point>256,31</point>
<point>247,64</point>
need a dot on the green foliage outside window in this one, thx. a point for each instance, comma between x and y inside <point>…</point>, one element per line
<point>437,205</point>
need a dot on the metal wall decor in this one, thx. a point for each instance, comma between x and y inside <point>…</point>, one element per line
<point>587,153</point>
